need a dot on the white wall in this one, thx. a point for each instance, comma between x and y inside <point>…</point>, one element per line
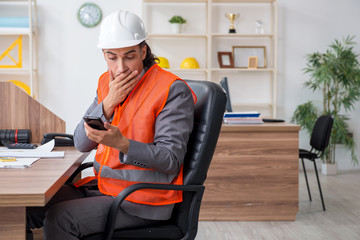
<point>70,63</point>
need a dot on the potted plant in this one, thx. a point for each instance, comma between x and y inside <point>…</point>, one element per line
<point>176,23</point>
<point>335,73</point>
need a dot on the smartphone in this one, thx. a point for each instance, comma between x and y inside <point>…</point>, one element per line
<point>95,122</point>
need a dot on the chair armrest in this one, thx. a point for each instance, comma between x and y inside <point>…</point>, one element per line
<point>109,229</point>
<point>78,170</point>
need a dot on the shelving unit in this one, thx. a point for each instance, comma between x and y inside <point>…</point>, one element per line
<point>206,33</point>
<point>28,71</point>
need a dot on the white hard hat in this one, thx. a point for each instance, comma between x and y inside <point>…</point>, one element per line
<point>121,29</point>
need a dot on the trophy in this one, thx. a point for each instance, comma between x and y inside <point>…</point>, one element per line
<point>259,27</point>
<point>232,17</point>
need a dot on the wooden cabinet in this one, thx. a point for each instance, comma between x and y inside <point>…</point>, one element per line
<point>206,33</point>
<point>253,174</point>
<point>25,11</point>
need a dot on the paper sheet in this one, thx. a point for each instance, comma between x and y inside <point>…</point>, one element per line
<point>25,157</point>
<point>32,154</point>
<point>19,163</point>
<point>47,147</point>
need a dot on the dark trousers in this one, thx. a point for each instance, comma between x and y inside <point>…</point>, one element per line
<point>76,212</point>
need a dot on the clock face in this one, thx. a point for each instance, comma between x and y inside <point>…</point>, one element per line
<point>89,15</point>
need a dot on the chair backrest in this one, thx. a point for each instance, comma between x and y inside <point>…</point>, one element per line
<point>321,132</point>
<point>208,117</point>
<point>208,114</point>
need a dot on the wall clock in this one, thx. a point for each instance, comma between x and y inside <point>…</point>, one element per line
<point>89,15</point>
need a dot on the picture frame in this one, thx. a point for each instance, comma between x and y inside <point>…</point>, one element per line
<point>241,56</point>
<point>252,62</point>
<point>225,59</point>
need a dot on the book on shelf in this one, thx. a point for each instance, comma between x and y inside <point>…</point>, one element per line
<point>242,117</point>
<point>241,114</point>
<point>243,120</point>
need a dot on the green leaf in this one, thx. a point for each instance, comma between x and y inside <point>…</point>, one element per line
<point>177,19</point>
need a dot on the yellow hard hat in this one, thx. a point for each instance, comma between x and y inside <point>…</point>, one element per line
<point>189,62</point>
<point>163,62</point>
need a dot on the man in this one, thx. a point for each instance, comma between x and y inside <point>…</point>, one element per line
<point>148,114</point>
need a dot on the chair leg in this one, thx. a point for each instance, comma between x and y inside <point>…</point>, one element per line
<point>317,176</point>
<point>306,179</point>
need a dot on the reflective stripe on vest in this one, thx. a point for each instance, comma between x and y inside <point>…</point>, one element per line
<point>136,120</point>
<point>146,175</point>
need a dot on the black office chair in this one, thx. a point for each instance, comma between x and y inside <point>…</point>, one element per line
<point>209,110</point>
<point>319,141</point>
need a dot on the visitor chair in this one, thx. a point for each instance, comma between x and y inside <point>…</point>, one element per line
<point>183,224</point>
<point>319,141</point>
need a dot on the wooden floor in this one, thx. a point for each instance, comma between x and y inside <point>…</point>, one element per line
<point>340,221</point>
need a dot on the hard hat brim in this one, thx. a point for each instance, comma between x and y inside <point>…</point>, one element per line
<point>120,44</point>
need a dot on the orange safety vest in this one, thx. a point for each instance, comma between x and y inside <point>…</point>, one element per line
<point>136,120</point>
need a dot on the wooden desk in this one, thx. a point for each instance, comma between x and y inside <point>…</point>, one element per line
<point>33,186</point>
<point>254,174</point>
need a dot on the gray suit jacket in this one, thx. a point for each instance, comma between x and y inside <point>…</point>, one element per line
<point>166,154</point>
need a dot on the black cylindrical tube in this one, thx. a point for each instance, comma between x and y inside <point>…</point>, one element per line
<point>15,135</point>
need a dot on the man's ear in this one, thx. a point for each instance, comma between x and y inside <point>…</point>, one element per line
<point>143,52</point>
